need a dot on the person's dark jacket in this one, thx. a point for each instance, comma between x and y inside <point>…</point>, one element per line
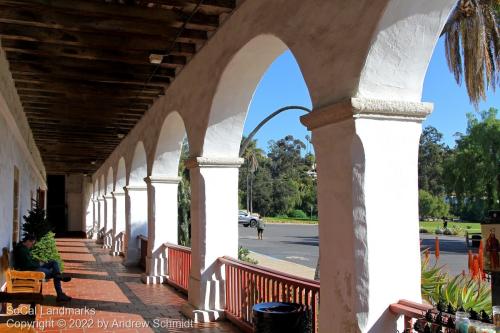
<point>23,260</point>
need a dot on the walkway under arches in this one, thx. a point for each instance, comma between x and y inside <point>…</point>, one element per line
<point>113,295</point>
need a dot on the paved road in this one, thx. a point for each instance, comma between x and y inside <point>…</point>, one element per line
<point>291,242</point>
<point>453,252</point>
<point>299,244</point>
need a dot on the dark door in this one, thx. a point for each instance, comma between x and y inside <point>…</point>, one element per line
<point>56,203</point>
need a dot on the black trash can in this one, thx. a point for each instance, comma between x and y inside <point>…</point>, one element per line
<point>279,317</point>
<point>475,240</point>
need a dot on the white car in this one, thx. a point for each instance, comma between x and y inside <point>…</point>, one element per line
<point>248,219</point>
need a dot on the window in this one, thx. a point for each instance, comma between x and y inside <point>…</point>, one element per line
<point>15,216</point>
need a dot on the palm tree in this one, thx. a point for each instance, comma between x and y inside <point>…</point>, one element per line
<point>250,155</point>
<point>472,45</point>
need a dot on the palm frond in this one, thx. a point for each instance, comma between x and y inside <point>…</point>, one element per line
<point>472,45</point>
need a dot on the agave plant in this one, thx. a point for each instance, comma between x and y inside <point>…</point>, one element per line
<point>432,280</point>
<point>466,292</point>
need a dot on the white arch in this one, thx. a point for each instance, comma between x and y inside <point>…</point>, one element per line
<point>121,175</point>
<point>401,49</point>
<point>168,148</point>
<point>139,169</point>
<point>110,181</point>
<point>234,94</point>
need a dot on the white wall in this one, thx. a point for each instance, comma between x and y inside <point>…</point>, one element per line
<point>74,200</point>
<point>17,149</point>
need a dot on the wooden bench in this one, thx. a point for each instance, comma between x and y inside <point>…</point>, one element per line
<point>18,282</point>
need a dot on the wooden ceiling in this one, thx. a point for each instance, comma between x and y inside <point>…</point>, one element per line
<point>82,68</point>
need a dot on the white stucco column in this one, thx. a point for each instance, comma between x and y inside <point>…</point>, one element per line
<point>119,223</point>
<point>109,217</point>
<point>162,225</point>
<point>214,232</point>
<point>136,214</point>
<point>95,218</point>
<point>367,153</point>
<point>101,220</point>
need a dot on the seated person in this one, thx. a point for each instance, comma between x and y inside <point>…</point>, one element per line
<point>24,261</point>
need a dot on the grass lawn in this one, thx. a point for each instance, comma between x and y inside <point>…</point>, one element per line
<point>465,226</point>
<point>289,220</point>
<point>429,226</point>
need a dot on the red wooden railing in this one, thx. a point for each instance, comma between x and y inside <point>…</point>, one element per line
<point>179,266</point>
<point>410,311</point>
<point>248,284</point>
<point>144,250</point>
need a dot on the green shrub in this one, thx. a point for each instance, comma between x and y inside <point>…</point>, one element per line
<point>424,231</point>
<point>243,255</point>
<point>45,250</point>
<point>298,214</point>
<point>438,231</point>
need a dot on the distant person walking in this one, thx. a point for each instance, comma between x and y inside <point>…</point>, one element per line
<point>260,228</point>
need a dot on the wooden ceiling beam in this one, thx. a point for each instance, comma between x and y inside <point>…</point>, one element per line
<point>38,118</point>
<point>107,20</point>
<point>27,76</point>
<point>21,72</point>
<point>105,99</point>
<point>90,106</point>
<point>119,11</point>
<point>103,67</point>
<point>71,52</point>
<point>97,40</point>
<point>87,121</point>
<point>96,89</point>
<point>168,61</point>
<point>224,6</point>
<point>46,95</point>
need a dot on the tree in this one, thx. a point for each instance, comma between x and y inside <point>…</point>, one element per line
<point>431,155</point>
<point>35,223</point>
<point>431,206</point>
<point>184,199</point>
<point>285,156</point>
<point>252,154</point>
<point>472,45</point>
<point>472,174</point>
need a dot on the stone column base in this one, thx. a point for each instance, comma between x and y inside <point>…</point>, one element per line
<point>153,279</point>
<point>202,316</point>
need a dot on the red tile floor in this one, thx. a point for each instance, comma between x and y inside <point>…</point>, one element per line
<point>109,297</point>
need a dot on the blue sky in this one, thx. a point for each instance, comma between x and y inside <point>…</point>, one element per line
<point>283,85</point>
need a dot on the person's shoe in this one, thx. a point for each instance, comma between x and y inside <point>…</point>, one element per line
<point>62,277</point>
<point>63,298</point>
<point>66,278</point>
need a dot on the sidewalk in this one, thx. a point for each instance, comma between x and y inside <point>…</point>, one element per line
<point>283,266</point>
<point>109,297</point>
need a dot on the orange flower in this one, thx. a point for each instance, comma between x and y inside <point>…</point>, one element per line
<point>436,248</point>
